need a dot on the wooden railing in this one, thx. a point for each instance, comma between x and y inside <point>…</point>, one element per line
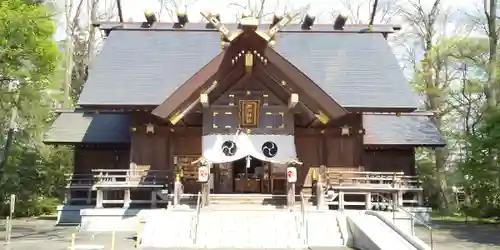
<point>356,183</point>
<point>129,177</point>
<point>392,179</point>
<point>79,181</point>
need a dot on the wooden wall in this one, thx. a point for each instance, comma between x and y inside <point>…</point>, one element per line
<point>89,157</point>
<point>315,147</point>
<point>158,149</point>
<point>390,160</point>
<point>327,146</point>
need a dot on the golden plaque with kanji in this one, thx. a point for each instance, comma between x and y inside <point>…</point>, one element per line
<point>249,113</point>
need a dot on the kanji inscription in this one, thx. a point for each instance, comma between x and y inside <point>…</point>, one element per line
<point>249,113</point>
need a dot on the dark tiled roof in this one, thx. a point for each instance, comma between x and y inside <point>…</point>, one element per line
<point>357,70</point>
<point>79,127</point>
<point>144,67</point>
<point>404,130</point>
<point>381,28</point>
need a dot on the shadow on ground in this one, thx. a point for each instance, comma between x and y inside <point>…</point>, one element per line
<point>449,232</point>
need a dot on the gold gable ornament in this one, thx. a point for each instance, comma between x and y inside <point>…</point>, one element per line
<point>248,62</point>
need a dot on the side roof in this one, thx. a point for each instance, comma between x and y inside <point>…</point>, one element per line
<point>143,67</point>
<point>80,127</point>
<point>383,129</point>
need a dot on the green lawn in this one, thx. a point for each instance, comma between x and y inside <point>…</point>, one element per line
<point>462,218</point>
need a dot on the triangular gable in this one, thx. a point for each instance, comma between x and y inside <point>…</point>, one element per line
<point>311,92</point>
<point>193,84</point>
<point>314,93</point>
<point>217,69</point>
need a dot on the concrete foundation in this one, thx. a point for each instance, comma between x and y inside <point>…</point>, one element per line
<point>70,214</point>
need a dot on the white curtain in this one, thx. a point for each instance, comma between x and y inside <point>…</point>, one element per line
<point>248,145</point>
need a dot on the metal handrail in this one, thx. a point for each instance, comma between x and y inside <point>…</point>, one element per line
<point>197,217</point>
<point>413,217</point>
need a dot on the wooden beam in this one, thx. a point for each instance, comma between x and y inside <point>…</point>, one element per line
<point>293,100</point>
<point>191,87</point>
<point>236,77</point>
<point>204,100</point>
<point>212,18</point>
<point>178,116</point>
<point>312,94</point>
<point>215,87</point>
<point>306,101</point>
<point>272,85</point>
<point>322,117</point>
<point>268,36</point>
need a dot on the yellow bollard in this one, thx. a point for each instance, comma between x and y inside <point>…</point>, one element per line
<point>113,239</point>
<point>73,240</point>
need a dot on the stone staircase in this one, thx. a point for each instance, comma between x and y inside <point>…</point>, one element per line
<point>249,229</point>
<point>258,201</point>
<point>323,234</point>
<point>169,229</point>
<point>243,221</point>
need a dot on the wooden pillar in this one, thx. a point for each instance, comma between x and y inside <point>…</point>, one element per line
<point>177,190</point>
<point>89,196</point>
<point>99,198</point>
<point>291,178</point>
<point>400,198</point>
<point>420,198</point>
<point>320,199</point>
<point>368,201</point>
<point>153,198</point>
<point>341,200</point>
<point>205,191</point>
<point>394,200</point>
<point>290,194</point>
<point>126,198</point>
<point>68,197</point>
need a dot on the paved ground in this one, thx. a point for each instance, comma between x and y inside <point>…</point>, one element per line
<point>461,236</point>
<point>42,234</point>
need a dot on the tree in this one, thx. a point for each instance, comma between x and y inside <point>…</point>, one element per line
<point>29,57</point>
<point>171,7</point>
<point>431,78</point>
<point>253,8</point>
<point>360,10</point>
<point>84,43</point>
<point>490,12</point>
<point>481,169</point>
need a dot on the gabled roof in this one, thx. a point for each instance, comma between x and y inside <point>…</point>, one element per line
<point>378,28</point>
<point>383,129</point>
<point>142,67</point>
<point>357,70</point>
<point>145,67</point>
<point>80,127</point>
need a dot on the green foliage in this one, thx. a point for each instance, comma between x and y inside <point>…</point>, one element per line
<point>30,57</point>
<point>426,169</point>
<point>481,169</point>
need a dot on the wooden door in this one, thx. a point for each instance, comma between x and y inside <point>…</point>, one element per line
<point>224,179</point>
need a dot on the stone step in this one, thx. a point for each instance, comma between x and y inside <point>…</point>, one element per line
<point>172,229</point>
<point>247,229</point>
